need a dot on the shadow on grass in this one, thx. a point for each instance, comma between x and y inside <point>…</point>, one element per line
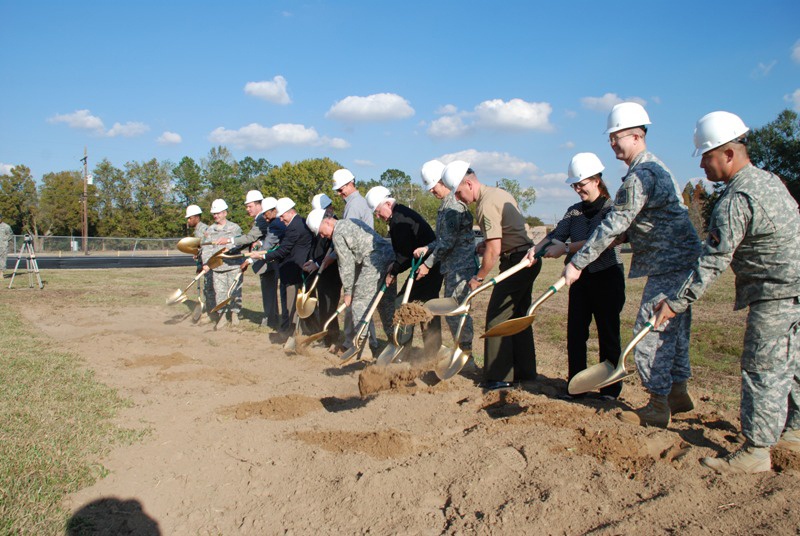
<point>111,515</point>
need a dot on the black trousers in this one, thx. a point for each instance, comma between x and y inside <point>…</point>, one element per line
<point>511,358</point>
<point>329,290</point>
<point>269,297</point>
<point>599,295</point>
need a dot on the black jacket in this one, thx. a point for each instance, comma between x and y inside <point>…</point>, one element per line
<point>293,252</point>
<point>408,231</point>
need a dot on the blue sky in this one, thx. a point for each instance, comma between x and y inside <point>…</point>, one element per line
<point>516,88</point>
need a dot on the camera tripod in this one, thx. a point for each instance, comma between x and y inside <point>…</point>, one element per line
<point>31,265</point>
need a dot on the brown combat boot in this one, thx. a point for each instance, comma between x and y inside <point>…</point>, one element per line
<point>748,459</point>
<point>679,399</point>
<point>790,440</point>
<point>655,413</point>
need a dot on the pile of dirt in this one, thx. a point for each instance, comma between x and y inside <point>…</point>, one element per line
<point>279,408</point>
<point>381,445</point>
<point>410,314</point>
<point>400,377</point>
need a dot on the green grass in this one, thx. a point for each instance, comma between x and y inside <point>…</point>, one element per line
<point>55,423</point>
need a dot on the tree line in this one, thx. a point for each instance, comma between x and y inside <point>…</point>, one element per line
<point>148,199</point>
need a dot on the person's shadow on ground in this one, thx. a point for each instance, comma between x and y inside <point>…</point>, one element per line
<point>112,516</point>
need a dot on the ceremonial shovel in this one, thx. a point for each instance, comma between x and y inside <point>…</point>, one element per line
<point>304,303</point>
<point>395,347</point>
<point>604,374</point>
<point>179,296</point>
<point>191,245</point>
<point>448,365</point>
<point>450,307</point>
<point>227,300</point>
<point>317,336</point>
<point>515,325</point>
<point>362,325</point>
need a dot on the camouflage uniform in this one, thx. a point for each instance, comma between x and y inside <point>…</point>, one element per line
<point>6,235</point>
<point>754,229</point>
<point>208,280</point>
<point>356,208</point>
<point>364,258</point>
<point>225,274</point>
<point>454,247</point>
<point>649,207</point>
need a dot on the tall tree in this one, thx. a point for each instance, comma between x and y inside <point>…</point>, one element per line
<point>156,214</point>
<point>60,205</point>
<point>776,148</point>
<point>116,211</point>
<point>253,172</point>
<point>399,183</point>
<point>220,172</point>
<point>19,201</point>
<point>525,197</point>
<point>190,185</point>
<point>301,181</point>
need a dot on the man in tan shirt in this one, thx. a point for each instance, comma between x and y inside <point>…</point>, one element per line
<point>513,358</point>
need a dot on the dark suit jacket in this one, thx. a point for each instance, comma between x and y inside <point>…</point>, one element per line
<point>408,231</point>
<point>293,252</point>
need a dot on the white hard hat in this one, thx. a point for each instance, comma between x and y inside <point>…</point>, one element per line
<point>582,166</point>
<point>193,210</point>
<point>253,196</point>
<point>627,115</point>
<point>284,204</point>
<point>454,172</point>
<point>314,219</point>
<point>715,129</point>
<point>377,195</point>
<point>321,201</point>
<point>431,173</point>
<point>268,204</point>
<point>342,177</point>
<point>218,206</point>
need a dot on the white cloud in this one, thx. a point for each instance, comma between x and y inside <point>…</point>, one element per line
<point>169,138</point>
<point>449,126</point>
<point>607,101</point>
<point>5,169</point>
<point>378,107</point>
<point>447,109</point>
<point>255,136</point>
<point>762,70</point>
<point>82,119</point>
<point>494,165</point>
<point>794,98</point>
<point>128,130</point>
<point>796,51</point>
<point>365,163</point>
<point>273,91</point>
<point>572,114</point>
<point>515,114</point>
<point>568,145</point>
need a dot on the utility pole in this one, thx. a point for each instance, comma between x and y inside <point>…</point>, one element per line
<point>85,199</point>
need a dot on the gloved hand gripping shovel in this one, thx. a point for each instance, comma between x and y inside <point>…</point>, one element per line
<point>604,373</point>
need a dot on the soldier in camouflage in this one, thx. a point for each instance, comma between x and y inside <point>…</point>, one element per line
<point>6,234</point>
<point>454,247</point>
<point>363,258</point>
<point>649,209</point>
<point>225,274</point>
<point>754,230</point>
<point>199,228</point>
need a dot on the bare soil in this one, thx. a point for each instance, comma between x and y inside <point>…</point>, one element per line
<point>248,440</point>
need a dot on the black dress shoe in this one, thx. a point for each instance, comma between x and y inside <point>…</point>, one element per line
<point>493,385</point>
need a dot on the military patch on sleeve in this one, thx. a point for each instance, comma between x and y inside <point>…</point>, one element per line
<point>713,238</point>
<point>622,197</point>
<point>487,225</point>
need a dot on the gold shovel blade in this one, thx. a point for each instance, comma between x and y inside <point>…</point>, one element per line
<point>176,297</point>
<point>221,305</point>
<point>592,378</point>
<point>443,306</point>
<point>449,364</point>
<point>190,245</point>
<point>388,355</point>
<point>509,327</point>
<point>306,308</point>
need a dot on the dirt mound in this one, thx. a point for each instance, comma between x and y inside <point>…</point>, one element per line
<point>381,445</point>
<point>399,377</point>
<point>280,408</point>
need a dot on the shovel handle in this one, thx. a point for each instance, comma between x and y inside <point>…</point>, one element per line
<point>555,287</point>
<point>497,279</point>
<point>339,311</point>
<point>637,338</point>
<point>368,316</point>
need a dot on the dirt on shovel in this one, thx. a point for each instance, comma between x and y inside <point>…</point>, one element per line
<point>410,314</point>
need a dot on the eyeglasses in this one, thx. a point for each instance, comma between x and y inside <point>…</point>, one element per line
<point>615,140</point>
<point>579,185</point>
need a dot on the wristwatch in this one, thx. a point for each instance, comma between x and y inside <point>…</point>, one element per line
<point>478,279</point>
